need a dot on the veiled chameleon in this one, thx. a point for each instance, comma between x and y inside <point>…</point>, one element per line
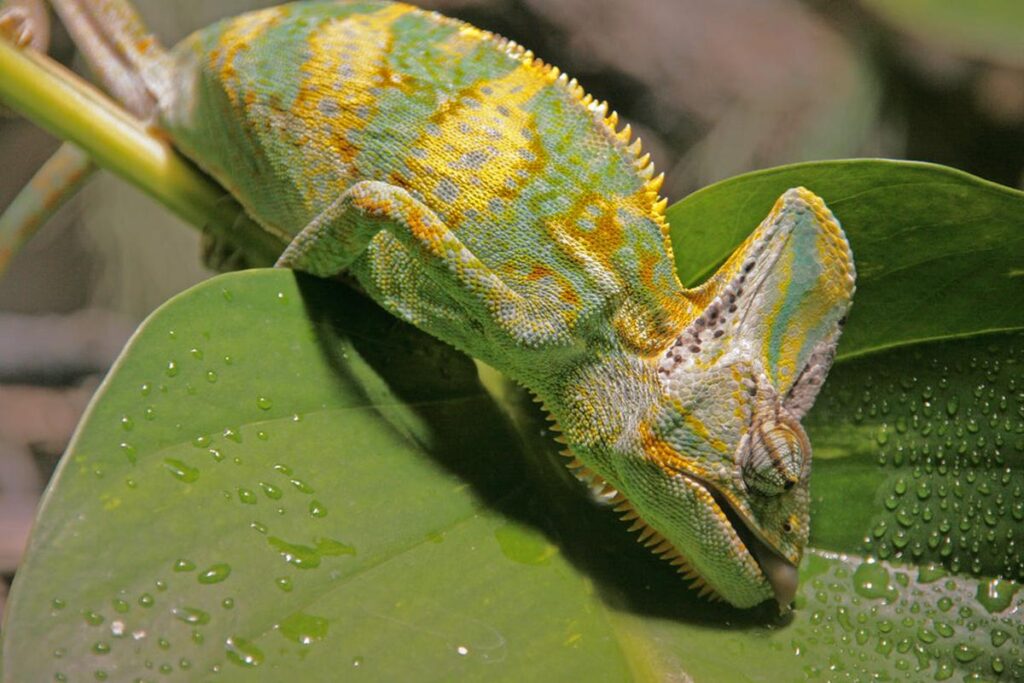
<point>481,195</point>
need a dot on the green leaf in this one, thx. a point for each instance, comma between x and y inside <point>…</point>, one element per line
<point>939,253</point>
<point>421,526</point>
<point>276,474</point>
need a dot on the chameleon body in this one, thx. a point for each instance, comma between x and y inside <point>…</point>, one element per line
<point>481,195</point>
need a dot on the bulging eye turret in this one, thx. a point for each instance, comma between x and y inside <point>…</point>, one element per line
<point>776,458</point>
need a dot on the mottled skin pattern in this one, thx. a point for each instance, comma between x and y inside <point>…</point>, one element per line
<point>480,195</point>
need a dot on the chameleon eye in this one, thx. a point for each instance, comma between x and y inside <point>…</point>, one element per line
<point>775,460</point>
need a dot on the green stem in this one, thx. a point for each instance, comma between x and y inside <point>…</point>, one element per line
<point>71,109</point>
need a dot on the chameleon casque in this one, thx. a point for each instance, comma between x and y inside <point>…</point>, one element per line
<point>481,195</point>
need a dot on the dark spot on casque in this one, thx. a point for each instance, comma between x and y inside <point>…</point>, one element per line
<point>748,267</point>
<point>842,321</point>
<point>719,333</point>
<point>695,349</point>
<point>732,308</point>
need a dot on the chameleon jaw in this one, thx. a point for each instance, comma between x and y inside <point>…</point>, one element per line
<point>777,572</point>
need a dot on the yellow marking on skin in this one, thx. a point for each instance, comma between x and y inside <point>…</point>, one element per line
<point>665,455</point>
<point>348,59</point>
<point>236,39</point>
<point>479,147</point>
<point>780,280</point>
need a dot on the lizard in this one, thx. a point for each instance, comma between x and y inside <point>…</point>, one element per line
<point>481,195</point>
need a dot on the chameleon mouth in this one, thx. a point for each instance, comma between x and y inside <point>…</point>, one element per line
<point>780,574</point>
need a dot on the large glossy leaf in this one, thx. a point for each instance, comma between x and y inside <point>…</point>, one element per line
<point>279,481</point>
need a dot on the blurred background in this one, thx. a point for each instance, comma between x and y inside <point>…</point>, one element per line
<point>713,88</point>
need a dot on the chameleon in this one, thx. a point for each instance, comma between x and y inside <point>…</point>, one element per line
<point>481,195</point>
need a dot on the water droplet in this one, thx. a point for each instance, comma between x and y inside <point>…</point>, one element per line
<point>284,583</point>
<point>304,629</point>
<point>308,557</point>
<point>120,606</point>
<point>216,454</point>
<point>930,572</point>
<point>211,376</point>
<point>191,615</point>
<point>258,526</point>
<point>232,435</point>
<point>92,618</point>
<point>215,573</point>
<point>871,580</point>
<point>127,424</point>
<point>146,600</point>
<point>181,470</point>
<point>246,496</point>
<point>952,405</point>
<point>149,413</point>
<point>264,403</point>
<point>966,653</point>
<point>996,594</point>
<point>227,603</point>
<point>183,566</point>
<point>128,451</point>
<point>302,486</point>
<point>172,369</point>
<point>283,469</point>
<point>317,509</point>
<point>242,652</point>
<point>262,435</point>
<point>524,547</point>
<point>58,604</point>
<point>271,491</point>
<point>145,388</point>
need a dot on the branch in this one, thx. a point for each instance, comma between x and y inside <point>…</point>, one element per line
<point>70,108</point>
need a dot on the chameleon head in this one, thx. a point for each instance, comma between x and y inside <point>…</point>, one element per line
<point>721,462</point>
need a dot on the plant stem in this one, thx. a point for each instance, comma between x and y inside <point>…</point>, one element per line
<point>71,109</point>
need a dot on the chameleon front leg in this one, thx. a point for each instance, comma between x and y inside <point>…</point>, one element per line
<point>343,231</point>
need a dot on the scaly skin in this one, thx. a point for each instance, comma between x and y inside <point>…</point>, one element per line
<point>480,195</point>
